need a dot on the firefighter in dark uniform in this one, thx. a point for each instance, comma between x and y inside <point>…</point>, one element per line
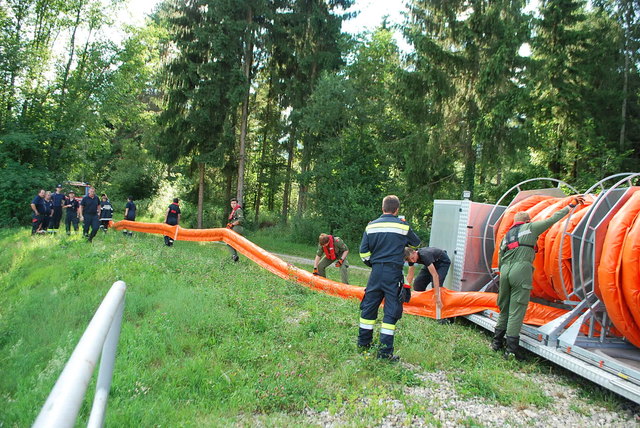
<point>89,214</point>
<point>129,214</point>
<point>331,249</point>
<point>382,248</point>
<point>48,211</point>
<point>172,217</point>
<point>106,212</point>
<point>517,252</point>
<point>58,201</point>
<point>38,208</point>
<point>236,218</point>
<point>71,215</point>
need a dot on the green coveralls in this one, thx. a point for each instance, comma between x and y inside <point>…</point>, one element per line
<point>516,272</point>
<point>237,216</point>
<point>340,248</point>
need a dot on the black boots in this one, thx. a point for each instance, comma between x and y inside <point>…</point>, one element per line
<point>513,348</point>
<point>498,339</point>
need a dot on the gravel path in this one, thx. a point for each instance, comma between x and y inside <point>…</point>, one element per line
<point>448,409</point>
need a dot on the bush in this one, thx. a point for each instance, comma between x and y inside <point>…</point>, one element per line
<point>305,230</point>
<point>19,183</point>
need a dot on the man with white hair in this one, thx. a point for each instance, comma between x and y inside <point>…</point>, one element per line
<point>517,252</point>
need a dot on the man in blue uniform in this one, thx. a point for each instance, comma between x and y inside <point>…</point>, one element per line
<point>382,248</point>
<point>129,214</point>
<point>71,217</point>
<point>172,217</point>
<point>89,212</point>
<point>38,208</point>
<point>58,201</point>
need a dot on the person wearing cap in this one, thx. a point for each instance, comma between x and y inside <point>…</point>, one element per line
<point>517,252</point>
<point>106,212</point>
<point>89,213</point>
<point>331,249</point>
<point>172,217</point>
<point>38,208</point>
<point>58,199</point>
<point>129,214</point>
<point>71,215</point>
<point>235,221</point>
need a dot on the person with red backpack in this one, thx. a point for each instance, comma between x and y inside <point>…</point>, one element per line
<point>331,249</point>
<point>517,253</point>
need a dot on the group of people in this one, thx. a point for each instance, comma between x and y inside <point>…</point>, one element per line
<point>389,241</point>
<point>235,222</point>
<point>95,213</point>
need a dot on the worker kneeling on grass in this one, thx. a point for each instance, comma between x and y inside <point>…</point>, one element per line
<point>331,249</point>
<point>517,252</point>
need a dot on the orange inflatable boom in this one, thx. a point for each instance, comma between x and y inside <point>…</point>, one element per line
<point>454,303</point>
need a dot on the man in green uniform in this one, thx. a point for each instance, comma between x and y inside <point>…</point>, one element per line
<point>331,249</point>
<point>236,218</point>
<point>517,252</point>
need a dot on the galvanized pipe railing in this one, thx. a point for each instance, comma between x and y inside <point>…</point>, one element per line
<point>64,402</point>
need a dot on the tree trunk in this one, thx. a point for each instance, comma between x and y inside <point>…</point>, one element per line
<point>248,63</point>
<point>625,84</point>
<point>200,193</point>
<point>263,153</point>
<point>72,48</point>
<point>287,181</point>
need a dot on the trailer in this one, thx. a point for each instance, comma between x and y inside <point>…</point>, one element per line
<point>584,340</point>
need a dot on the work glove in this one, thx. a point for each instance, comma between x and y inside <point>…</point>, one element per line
<point>405,293</point>
<point>315,271</point>
<point>339,263</point>
<point>578,200</point>
<point>229,226</point>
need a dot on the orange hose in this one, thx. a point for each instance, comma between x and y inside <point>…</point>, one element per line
<point>631,269</point>
<point>611,283</point>
<point>506,221</point>
<point>554,239</point>
<point>422,303</point>
<point>541,283</point>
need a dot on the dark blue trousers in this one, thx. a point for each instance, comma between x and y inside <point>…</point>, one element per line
<point>385,282</point>
<point>93,221</point>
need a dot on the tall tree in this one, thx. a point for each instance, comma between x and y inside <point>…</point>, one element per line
<point>205,84</point>
<point>466,60</point>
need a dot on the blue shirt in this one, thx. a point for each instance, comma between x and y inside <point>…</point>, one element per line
<point>90,205</point>
<point>39,204</point>
<point>131,214</point>
<point>57,199</point>
<point>384,240</point>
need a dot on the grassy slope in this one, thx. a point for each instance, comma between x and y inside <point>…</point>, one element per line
<point>209,342</point>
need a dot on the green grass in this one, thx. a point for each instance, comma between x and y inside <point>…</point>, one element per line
<point>206,342</point>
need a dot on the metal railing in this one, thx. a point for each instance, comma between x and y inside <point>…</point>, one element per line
<point>64,402</point>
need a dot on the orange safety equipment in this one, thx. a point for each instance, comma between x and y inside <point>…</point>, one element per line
<point>330,249</point>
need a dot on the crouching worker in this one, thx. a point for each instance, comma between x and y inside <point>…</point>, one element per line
<point>382,248</point>
<point>331,249</point>
<point>517,252</point>
<point>435,263</point>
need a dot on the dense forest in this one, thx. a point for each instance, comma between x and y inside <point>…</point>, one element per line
<point>270,101</point>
